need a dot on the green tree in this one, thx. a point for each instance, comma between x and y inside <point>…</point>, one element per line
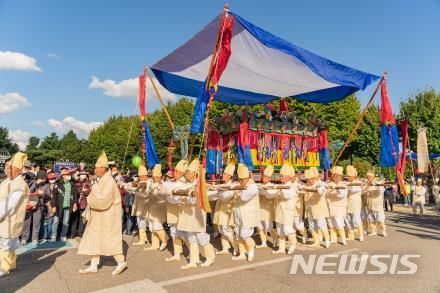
<point>33,143</point>
<point>51,142</point>
<point>422,110</point>
<point>112,137</point>
<point>6,141</point>
<point>71,147</point>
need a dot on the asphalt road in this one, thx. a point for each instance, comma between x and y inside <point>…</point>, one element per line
<point>57,270</point>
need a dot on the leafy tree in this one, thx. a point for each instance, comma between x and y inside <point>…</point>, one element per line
<point>33,143</point>
<point>51,142</point>
<point>6,141</point>
<point>422,110</point>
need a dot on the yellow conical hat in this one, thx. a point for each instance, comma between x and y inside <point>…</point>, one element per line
<point>242,171</point>
<point>230,169</point>
<point>286,170</point>
<point>102,161</point>
<point>292,171</point>
<point>337,170</point>
<point>18,160</point>
<point>157,170</point>
<point>142,171</point>
<point>182,166</point>
<point>268,171</point>
<point>194,166</point>
<point>351,171</point>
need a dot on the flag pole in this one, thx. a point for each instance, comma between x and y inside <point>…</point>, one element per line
<point>159,97</point>
<point>170,148</point>
<point>358,123</point>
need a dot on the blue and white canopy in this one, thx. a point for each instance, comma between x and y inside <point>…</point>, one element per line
<point>262,67</point>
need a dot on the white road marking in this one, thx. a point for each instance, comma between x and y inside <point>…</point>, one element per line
<point>235,269</point>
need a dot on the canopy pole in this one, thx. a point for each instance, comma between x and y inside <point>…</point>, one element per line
<point>358,123</point>
<point>159,96</point>
<point>204,148</point>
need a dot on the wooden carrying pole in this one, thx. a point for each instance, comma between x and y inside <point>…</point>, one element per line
<point>358,123</point>
<point>159,97</point>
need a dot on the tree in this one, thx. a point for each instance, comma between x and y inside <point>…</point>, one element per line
<point>71,147</point>
<point>113,137</point>
<point>33,143</point>
<point>51,142</point>
<point>422,111</point>
<point>6,141</point>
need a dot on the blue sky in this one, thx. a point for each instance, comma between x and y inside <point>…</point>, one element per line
<point>72,41</point>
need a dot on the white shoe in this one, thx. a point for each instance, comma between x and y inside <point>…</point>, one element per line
<point>163,246</point>
<point>3,273</point>
<point>43,241</point>
<point>239,257</point>
<point>189,266</point>
<point>327,244</point>
<point>120,268</point>
<point>35,242</point>
<point>291,249</point>
<point>64,239</point>
<point>361,238</point>
<point>173,258</point>
<point>52,240</point>
<point>373,234</point>
<point>264,245</point>
<point>222,252</point>
<point>207,263</point>
<point>89,270</point>
<point>251,254</point>
<point>384,234</point>
<point>304,239</point>
<point>279,251</point>
<point>344,242</point>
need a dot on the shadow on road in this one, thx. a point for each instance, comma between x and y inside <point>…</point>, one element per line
<point>29,267</point>
<point>423,226</point>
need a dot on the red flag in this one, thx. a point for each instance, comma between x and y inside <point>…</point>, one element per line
<point>142,95</point>
<point>387,117</point>
<point>223,49</point>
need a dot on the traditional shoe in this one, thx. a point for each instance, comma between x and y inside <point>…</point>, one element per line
<point>222,252</point>
<point>251,254</point>
<point>303,239</point>
<point>163,246</point>
<point>139,243</point>
<point>189,266</point>
<point>3,273</point>
<point>89,270</point>
<point>263,245</point>
<point>207,263</point>
<point>291,249</point>
<point>120,268</point>
<point>279,251</point>
<point>373,234</point>
<point>239,257</point>
<point>361,238</point>
<point>327,244</point>
<point>151,248</point>
<point>173,258</point>
<point>384,233</point>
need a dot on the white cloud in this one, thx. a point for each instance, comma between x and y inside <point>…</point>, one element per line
<point>129,88</point>
<point>10,102</point>
<point>53,55</point>
<point>20,137</point>
<point>17,61</point>
<point>38,123</point>
<point>71,123</point>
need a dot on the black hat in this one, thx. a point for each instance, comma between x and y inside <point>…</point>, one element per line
<point>41,175</point>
